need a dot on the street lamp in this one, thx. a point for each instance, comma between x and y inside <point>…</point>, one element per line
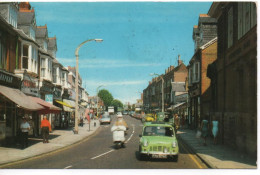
<point>97,96</point>
<point>162,89</point>
<point>77,81</point>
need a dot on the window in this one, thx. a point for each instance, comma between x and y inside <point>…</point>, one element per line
<point>25,57</point>
<point>2,55</point>
<point>246,17</point>
<point>230,27</point>
<point>43,66</point>
<point>196,73</point>
<point>45,45</point>
<point>34,59</point>
<point>191,75</point>
<point>54,75</point>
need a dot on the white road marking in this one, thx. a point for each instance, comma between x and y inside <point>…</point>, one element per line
<point>68,167</point>
<point>113,149</point>
<point>102,154</point>
<point>131,134</point>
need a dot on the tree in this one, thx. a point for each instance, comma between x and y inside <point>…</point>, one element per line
<point>106,97</point>
<point>117,103</point>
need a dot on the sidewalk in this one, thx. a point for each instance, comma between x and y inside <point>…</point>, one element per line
<point>57,139</point>
<point>216,156</point>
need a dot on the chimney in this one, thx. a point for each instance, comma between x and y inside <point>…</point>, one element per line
<point>25,7</point>
<point>179,60</point>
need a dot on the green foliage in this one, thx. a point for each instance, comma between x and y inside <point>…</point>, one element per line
<point>117,103</point>
<point>106,97</point>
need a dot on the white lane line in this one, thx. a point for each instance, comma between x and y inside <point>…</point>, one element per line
<point>131,134</point>
<point>68,167</point>
<point>102,154</point>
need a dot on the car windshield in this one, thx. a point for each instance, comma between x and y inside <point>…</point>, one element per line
<point>158,131</point>
<point>105,116</point>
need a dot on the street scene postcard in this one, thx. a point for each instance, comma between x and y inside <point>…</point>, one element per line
<point>128,86</point>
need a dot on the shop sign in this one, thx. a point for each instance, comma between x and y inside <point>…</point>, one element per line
<point>181,98</point>
<point>29,86</point>
<point>72,94</point>
<point>49,98</point>
<point>9,80</point>
<point>57,94</point>
<point>46,87</point>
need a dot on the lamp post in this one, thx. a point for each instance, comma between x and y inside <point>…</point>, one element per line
<point>162,89</point>
<point>77,81</point>
<point>97,96</point>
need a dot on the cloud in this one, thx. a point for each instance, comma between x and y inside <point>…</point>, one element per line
<point>105,63</point>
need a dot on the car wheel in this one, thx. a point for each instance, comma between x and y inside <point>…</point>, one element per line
<point>141,156</point>
<point>175,158</point>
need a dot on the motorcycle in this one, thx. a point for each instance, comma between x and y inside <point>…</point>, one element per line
<point>118,136</point>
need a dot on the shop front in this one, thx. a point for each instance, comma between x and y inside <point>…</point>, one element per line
<point>14,105</point>
<point>46,90</point>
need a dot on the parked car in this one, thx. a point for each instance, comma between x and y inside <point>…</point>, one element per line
<point>158,140</point>
<point>105,119</point>
<point>131,113</point>
<point>125,113</point>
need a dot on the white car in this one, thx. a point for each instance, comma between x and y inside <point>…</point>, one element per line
<point>105,119</point>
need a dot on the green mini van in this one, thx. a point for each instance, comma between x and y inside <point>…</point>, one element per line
<point>158,140</point>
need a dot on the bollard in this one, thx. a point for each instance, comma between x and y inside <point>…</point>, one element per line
<point>94,124</point>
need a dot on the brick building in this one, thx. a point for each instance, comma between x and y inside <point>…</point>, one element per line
<point>204,37</point>
<point>152,95</point>
<point>234,74</point>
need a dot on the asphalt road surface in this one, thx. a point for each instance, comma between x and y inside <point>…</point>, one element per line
<point>98,152</point>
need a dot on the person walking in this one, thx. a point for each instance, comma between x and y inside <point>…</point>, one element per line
<point>214,130</point>
<point>204,130</point>
<point>46,128</point>
<point>25,127</point>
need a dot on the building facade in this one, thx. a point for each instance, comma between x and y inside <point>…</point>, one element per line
<point>205,52</point>
<point>234,74</point>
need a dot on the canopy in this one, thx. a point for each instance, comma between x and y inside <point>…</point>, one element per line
<point>71,104</point>
<point>49,108</point>
<point>176,106</point>
<point>18,97</point>
<point>63,103</point>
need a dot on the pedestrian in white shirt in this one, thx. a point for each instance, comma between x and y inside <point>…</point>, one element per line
<point>25,127</point>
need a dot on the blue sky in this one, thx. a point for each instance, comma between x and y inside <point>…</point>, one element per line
<point>139,38</point>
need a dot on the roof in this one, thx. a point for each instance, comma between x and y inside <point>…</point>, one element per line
<point>52,42</point>
<point>25,18</point>
<point>25,37</point>
<point>41,32</point>
<point>178,86</point>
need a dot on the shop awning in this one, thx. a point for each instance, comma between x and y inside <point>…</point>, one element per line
<point>49,108</point>
<point>63,103</point>
<point>71,103</point>
<point>18,97</point>
<point>177,106</point>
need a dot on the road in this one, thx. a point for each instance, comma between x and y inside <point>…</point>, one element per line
<point>98,152</point>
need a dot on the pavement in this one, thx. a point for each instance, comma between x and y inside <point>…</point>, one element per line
<point>58,139</point>
<point>215,156</point>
